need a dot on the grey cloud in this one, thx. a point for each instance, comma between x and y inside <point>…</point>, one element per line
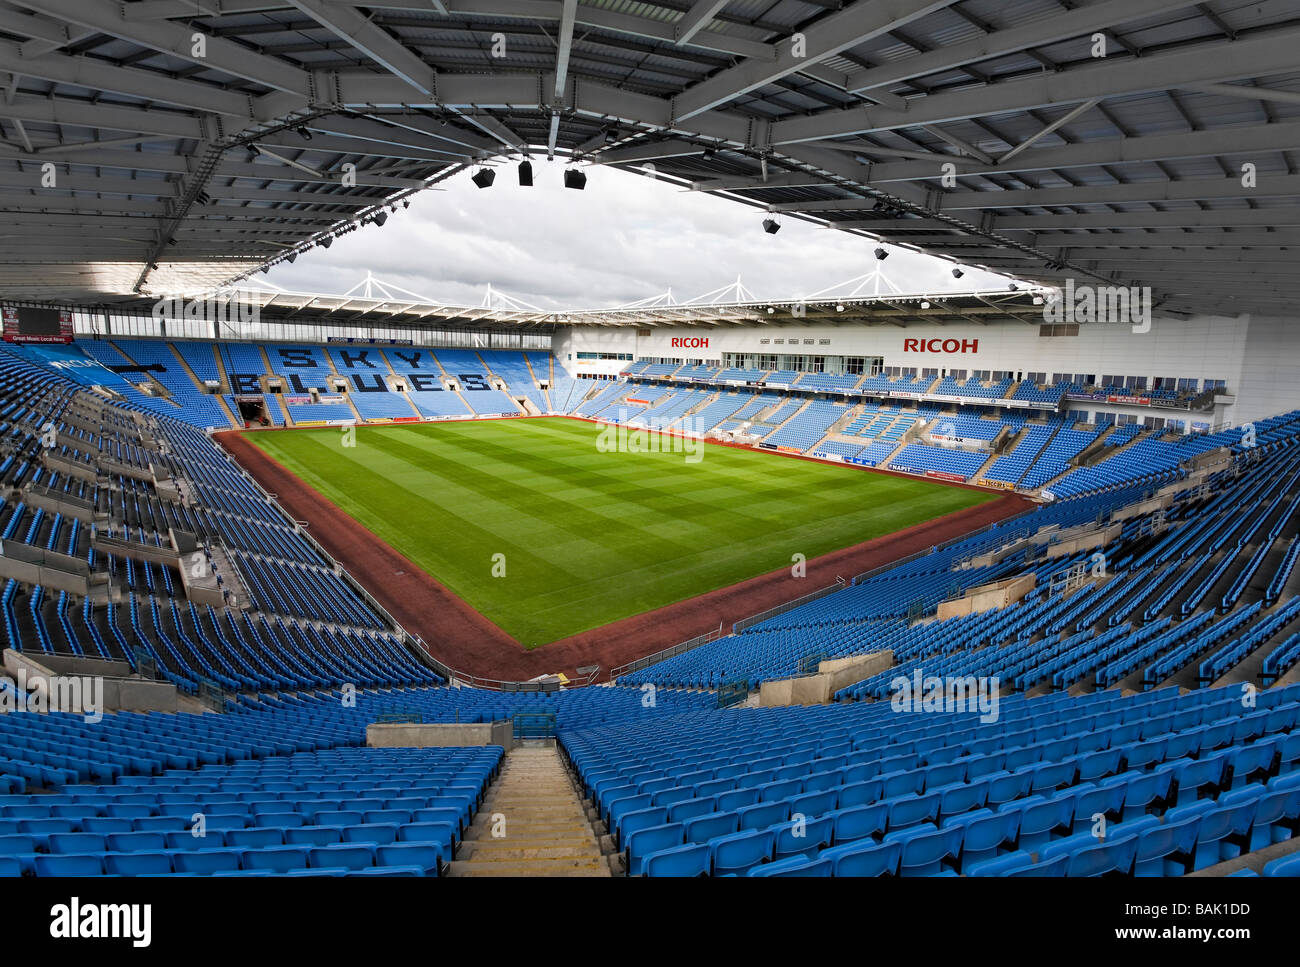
<point>624,239</point>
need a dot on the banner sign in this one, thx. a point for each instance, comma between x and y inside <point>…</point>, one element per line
<point>358,341</point>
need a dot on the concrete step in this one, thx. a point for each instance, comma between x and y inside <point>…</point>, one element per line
<point>585,867</point>
<point>546,823</point>
<point>567,838</point>
<point>488,850</point>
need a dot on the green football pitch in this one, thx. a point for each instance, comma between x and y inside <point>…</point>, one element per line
<point>590,536</point>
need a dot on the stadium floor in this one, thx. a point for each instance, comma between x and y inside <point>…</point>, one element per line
<point>468,641</point>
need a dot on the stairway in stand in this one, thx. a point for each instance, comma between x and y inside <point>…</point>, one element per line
<point>532,823</point>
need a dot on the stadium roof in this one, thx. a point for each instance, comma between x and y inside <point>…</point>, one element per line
<point>348,311</point>
<point>207,137</point>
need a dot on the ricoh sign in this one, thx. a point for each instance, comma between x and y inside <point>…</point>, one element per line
<point>941,346</point>
<point>690,342</point>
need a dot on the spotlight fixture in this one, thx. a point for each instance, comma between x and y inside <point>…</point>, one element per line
<point>881,254</point>
<point>771,311</point>
<point>327,241</point>
<point>1013,287</point>
<point>381,216</point>
<point>1038,300</point>
<point>525,174</point>
<point>291,257</point>
<point>484,177</point>
<point>839,307</point>
<point>709,154</point>
<point>924,304</point>
<point>303,132</point>
<point>957,273</point>
<point>575,179</point>
<point>406,203</point>
<point>771,226</point>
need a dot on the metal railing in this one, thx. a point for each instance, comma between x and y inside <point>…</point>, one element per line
<point>780,609</point>
<point>658,656</point>
<point>465,679</point>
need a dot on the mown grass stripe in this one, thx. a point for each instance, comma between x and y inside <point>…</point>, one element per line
<point>590,537</point>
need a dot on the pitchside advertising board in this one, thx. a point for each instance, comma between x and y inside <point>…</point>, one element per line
<point>37,324</point>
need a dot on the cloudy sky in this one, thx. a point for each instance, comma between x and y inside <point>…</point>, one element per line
<point>625,238</point>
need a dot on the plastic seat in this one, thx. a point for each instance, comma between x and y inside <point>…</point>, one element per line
<point>924,848</point>
<point>653,840</point>
<point>859,822</point>
<point>737,799</point>
<point>136,842</point>
<point>257,838</point>
<point>629,823</point>
<point>342,856</point>
<point>70,864</point>
<point>985,833</point>
<point>679,812</point>
<point>910,809</point>
<point>737,852</point>
<point>439,834</point>
<point>1040,818</point>
<point>763,815</point>
<point>861,793</point>
<point>1020,863</point>
<point>142,863</point>
<point>1167,850</point>
<point>205,862</point>
<point>1283,866</point>
<point>1114,856</point>
<point>1274,819</point>
<point>428,856</point>
<point>377,833</point>
<point>77,843</point>
<point>689,860</point>
<point>864,858</point>
<point>800,837</point>
<point>701,829</point>
<point>814,803</point>
<point>1196,776</point>
<point>1004,787</point>
<point>185,840</point>
<point>959,797</point>
<point>795,866</point>
<point>312,835</point>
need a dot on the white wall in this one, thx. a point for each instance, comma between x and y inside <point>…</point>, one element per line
<point>1258,357</point>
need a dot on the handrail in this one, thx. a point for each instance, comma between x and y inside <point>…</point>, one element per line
<point>460,678</point>
<point>637,664</point>
<point>762,616</point>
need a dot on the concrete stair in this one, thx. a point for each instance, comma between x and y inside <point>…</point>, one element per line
<point>532,823</point>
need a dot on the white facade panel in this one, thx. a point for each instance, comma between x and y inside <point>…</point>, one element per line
<point>1258,357</point>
